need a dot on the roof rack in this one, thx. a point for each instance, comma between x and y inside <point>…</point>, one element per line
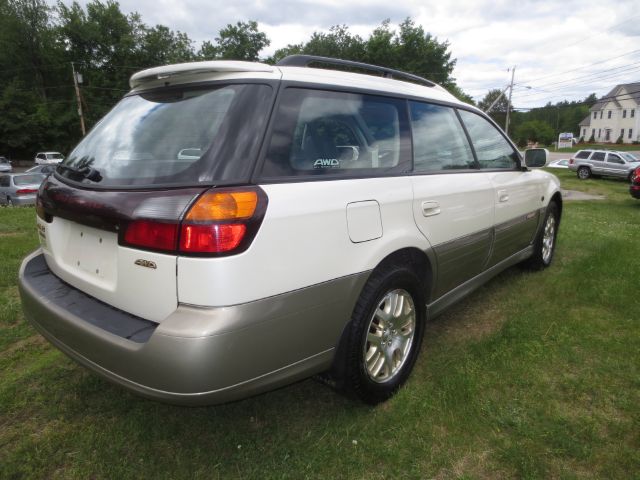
<point>306,60</point>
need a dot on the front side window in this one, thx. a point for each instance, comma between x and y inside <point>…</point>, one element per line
<point>4,181</point>
<point>492,148</point>
<point>183,135</point>
<point>322,133</point>
<point>439,142</point>
<point>613,158</point>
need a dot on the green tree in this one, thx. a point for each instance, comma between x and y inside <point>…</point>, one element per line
<point>409,49</point>
<point>242,41</point>
<point>534,131</point>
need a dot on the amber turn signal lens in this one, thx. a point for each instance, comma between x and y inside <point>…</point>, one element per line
<point>215,206</point>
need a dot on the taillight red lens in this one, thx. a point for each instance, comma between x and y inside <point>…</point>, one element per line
<point>211,238</point>
<point>571,161</point>
<point>221,221</point>
<point>150,234</point>
<point>26,191</point>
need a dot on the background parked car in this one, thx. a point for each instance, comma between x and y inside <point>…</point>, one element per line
<point>5,165</point>
<point>46,158</point>
<point>563,163</point>
<point>43,169</point>
<point>19,188</point>
<point>634,188</point>
<point>603,162</point>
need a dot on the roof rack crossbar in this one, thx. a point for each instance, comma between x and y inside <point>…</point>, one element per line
<point>306,60</point>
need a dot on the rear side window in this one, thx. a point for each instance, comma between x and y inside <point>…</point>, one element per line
<point>439,142</point>
<point>598,156</point>
<point>321,133</point>
<point>583,154</point>
<point>492,148</point>
<point>19,180</point>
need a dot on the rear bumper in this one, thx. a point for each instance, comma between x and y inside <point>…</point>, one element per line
<point>24,200</point>
<point>195,356</point>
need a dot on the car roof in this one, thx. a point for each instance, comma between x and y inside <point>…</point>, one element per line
<point>185,73</point>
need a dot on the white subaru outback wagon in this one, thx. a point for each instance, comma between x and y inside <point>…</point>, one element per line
<point>231,227</point>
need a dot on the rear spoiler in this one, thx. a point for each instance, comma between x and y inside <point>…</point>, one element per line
<point>183,69</point>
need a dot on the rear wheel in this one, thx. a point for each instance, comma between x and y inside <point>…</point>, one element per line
<point>385,334</point>
<point>584,173</point>
<point>545,244</point>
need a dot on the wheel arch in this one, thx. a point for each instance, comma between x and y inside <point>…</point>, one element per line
<point>420,262</point>
<point>557,199</point>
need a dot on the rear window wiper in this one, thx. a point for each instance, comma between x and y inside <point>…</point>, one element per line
<point>84,172</point>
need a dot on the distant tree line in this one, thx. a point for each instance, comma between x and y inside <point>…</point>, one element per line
<point>38,42</point>
<point>542,124</point>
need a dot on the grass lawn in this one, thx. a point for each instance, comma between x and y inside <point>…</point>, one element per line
<point>536,375</point>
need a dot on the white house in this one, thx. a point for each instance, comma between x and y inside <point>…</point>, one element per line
<point>615,115</point>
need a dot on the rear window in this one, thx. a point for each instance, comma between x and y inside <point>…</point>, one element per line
<point>28,179</point>
<point>583,154</point>
<point>327,134</point>
<point>55,156</point>
<point>174,136</point>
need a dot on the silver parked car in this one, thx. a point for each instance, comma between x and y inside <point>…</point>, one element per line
<point>5,165</point>
<point>603,162</point>
<point>19,188</point>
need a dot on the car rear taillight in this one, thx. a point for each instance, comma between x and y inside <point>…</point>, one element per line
<point>222,221</point>
<point>571,160</point>
<point>26,191</point>
<point>218,221</point>
<point>152,234</point>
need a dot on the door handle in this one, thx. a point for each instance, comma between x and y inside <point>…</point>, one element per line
<point>430,208</point>
<point>503,196</point>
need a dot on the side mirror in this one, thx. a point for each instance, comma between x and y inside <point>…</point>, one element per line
<point>536,157</point>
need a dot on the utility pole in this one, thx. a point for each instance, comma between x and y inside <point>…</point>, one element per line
<point>75,84</point>
<point>496,100</point>
<point>506,124</point>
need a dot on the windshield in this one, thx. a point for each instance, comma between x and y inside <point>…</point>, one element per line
<point>174,136</point>
<point>630,158</point>
<point>19,180</point>
<point>55,156</point>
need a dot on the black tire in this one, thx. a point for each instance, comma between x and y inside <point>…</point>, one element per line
<point>584,173</point>
<point>396,281</point>
<point>9,202</point>
<point>543,251</point>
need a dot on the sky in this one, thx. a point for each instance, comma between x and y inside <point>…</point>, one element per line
<point>560,50</point>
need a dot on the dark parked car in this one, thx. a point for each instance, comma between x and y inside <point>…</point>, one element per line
<point>19,188</point>
<point>634,188</point>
